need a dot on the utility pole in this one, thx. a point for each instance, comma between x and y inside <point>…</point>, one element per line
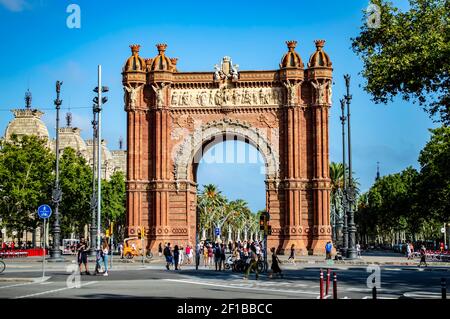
<point>344,185</point>
<point>351,194</point>
<point>99,100</point>
<point>93,239</point>
<point>55,252</point>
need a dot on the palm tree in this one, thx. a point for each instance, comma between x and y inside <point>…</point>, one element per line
<point>210,199</point>
<point>337,185</point>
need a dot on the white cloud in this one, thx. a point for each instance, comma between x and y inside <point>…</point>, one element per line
<point>14,5</point>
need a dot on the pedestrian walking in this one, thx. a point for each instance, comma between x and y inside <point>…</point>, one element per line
<point>328,248</point>
<point>105,250</point>
<point>217,259</point>
<point>222,256</point>
<point>358,250</point>
<point>160,250</point>
<point>408,250</point>
<point>205,255</point>
<point>181,258</point>
<point>121,250</point>
<point>176,256</point>
<point>210,254</point>
<point>198,253</point>
<point>276,270</point>
<point>168,255</point>
<point>253,264</point>
<point>292,255</point>
<point>423,256</point>
<point>82,255</point>
<point>189,254</point>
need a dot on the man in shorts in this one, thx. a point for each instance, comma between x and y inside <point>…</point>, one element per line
<point>82,255</point>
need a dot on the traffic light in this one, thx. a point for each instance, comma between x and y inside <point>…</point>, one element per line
<point>262,221</point>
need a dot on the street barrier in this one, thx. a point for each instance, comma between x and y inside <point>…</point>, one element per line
<point>334,286</point>
<point>20,253</point>
<point>321,284</point>
<point>328,282</point>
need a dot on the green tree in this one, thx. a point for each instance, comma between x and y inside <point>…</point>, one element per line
<point>76,186</point>
<point>434,185</point>
<point>114,202</point>
<point>26,181</point>
<point>408,55</point>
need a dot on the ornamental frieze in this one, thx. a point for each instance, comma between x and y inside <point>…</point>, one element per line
<point>226,97</point>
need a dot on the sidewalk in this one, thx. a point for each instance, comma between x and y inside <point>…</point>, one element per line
<point>369,258</point>
<point>375,258</point>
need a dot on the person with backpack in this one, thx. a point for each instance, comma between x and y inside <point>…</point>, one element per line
<point>168,255</point>
<point>328,248</point>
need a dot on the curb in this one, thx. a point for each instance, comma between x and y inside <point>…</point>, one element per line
<point>25,280</point>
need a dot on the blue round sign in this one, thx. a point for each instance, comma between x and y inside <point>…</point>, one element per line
<point>44,211</point>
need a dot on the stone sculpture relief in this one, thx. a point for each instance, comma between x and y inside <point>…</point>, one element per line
<point>291,92</point>
<point>132,95</point>
<point>320,91</point>
<point>159,94</point>
<point>226,97</point>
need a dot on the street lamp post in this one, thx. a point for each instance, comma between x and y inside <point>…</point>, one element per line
<point>94,194</point>
<point>351,195</point>
<point>344,185</point>
<point>55,252</point>
<point>99,100</point>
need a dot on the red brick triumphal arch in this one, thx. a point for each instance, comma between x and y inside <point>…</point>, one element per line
<point>173,116</point>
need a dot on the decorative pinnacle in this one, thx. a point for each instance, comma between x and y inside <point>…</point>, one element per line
<point>68,119</point>
<point>135,48</point>
<point>28,99</point>
<point>161,48</point>
<point>174,61</point>
<point>291,45</point>
<point>319,44</point>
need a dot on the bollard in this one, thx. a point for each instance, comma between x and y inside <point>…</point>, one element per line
<point>321,284</point>
<point>374,289</point>
<point>327,286</point>
<point>444,288</point>
<point>334,286</point>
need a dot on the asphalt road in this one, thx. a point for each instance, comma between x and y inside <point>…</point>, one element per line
<point>24,280</point>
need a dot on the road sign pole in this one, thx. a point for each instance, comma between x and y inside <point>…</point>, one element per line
<point>445,236</point>
<point>43,252</point>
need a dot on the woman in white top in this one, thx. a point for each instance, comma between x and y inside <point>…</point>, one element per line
<point>105,250</point>
<point>181,257</point>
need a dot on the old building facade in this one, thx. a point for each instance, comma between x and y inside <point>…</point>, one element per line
<point>173,117</point>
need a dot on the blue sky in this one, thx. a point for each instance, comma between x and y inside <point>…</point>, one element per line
<point>38,49</point>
